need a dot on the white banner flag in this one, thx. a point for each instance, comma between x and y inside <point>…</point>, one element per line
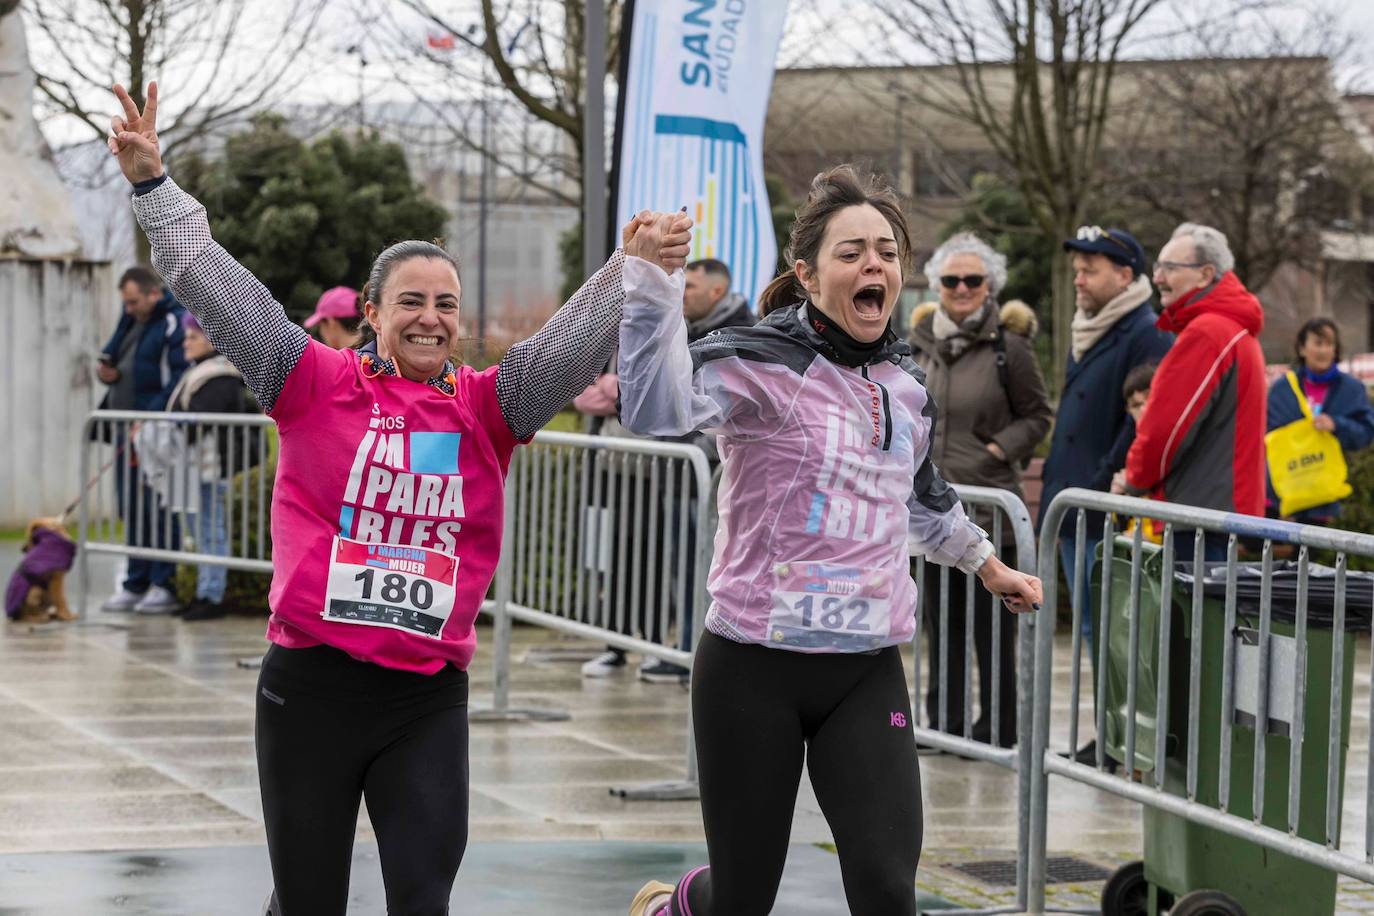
<point>694,98</point>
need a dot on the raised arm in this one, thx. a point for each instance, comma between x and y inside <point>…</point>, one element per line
<point>239,315</point>
<point>539,376</point>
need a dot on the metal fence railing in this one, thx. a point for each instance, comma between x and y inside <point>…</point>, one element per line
<point>1183,727</point>
<point>174,487</point>
<point>608,539</point>
<point>980,617</point>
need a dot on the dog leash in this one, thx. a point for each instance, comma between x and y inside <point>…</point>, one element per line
<point>62,519</point>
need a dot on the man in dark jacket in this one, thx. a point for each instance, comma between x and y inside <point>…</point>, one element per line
<point>1113,332</point>
<point>1201,441</point>
<point>142,363</point>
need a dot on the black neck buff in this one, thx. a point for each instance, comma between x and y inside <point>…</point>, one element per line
<point>845,350</point>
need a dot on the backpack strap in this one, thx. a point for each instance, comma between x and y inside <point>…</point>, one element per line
<point>999,350</point>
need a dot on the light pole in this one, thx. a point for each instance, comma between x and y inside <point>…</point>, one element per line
<point>593,141</point>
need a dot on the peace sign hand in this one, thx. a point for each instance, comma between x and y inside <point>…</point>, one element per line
<point>133,137</point>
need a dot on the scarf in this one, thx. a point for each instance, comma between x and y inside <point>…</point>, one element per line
<point>845,350</point>
<point>1089,328</point>
<point>1322,378</point>
<point>953,339</point>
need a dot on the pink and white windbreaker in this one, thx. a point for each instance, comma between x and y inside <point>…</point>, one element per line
<point>826,475</point>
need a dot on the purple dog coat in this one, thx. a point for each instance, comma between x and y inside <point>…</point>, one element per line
<point>51,552</point>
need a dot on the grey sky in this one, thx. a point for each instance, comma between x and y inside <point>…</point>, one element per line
<point>820,32</point>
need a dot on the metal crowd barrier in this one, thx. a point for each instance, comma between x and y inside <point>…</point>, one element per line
<point>1253,676</point>
<point>146,471</point>
<point>1010,527</point>
<point>607,539</point>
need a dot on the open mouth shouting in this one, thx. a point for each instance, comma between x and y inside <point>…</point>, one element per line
<point>869,301</point>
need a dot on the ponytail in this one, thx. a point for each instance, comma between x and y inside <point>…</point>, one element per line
<point>784,290</point>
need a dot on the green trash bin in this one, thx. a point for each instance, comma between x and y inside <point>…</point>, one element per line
<point>1187,864</point>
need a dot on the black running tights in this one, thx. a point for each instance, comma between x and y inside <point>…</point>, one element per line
<point>332,730</point>
<point>756,711</point>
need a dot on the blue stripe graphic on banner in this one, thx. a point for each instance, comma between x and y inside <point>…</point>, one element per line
<point>698,127</point>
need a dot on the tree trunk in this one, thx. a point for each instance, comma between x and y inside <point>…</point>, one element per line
<point>1062,311</point>
<point>36,216</point>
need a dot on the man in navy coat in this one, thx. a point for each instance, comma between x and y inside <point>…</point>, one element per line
<point>1113,332</point>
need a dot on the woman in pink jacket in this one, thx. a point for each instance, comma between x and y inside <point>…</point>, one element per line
<point>824,431</point>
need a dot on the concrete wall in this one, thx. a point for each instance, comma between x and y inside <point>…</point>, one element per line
<point>54,316</point>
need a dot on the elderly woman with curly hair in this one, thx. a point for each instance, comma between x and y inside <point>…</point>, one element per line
<point>982,372</point>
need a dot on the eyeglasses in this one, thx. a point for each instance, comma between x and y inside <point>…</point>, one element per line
<point>1094,233</point>
<point>970,281</point>
<point>1171,266</point>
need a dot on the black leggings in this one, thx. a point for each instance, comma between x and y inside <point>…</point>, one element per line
<point>331,730</point>
<point>755,712</point>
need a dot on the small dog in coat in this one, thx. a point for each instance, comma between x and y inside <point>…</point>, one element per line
<point>37,589</point>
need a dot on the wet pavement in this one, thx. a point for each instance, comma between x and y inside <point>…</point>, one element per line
<point>128,785</point>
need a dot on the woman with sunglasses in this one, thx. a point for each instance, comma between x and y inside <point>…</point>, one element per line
<point>981,369</point>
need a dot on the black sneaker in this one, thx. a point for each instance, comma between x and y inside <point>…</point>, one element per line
<point>1087,755</point>
<point>203,610</point>
<point>657,671</point>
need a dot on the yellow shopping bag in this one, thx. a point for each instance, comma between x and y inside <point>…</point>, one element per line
<point>1306,465</point>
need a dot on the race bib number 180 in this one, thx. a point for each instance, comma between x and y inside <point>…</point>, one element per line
<point>388,585</point>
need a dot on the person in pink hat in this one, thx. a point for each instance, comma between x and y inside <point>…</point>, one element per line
<point>338,317</point>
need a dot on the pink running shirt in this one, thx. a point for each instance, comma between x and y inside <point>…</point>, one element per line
<point>386,512</point>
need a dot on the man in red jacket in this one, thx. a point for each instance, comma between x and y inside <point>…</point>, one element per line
<point>1201,440</point>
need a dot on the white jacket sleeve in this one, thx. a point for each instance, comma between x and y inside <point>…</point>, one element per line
<point>659,395</point>
<point>939,527</point>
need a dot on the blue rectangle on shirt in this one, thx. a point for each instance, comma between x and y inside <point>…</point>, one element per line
<point>434,453</point>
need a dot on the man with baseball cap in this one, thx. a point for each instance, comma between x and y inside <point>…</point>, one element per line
<point>1113,332</point>
<point>337,315</point>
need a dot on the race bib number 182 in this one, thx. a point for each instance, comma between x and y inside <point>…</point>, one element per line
<point>388,585</point>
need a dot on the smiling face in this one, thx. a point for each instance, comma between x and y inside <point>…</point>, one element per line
<point>1178,272</point>
<point>1318,350</point>
<point>858,273</point>
<point>963,300</point>
<point>417,321</point>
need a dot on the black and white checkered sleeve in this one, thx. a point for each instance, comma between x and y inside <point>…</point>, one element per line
<point>539,376</point>
<point>239,315</point>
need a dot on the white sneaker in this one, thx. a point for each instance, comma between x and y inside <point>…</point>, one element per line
<point>122,600</point>
<point>158,600</point>
<point>605,664</point>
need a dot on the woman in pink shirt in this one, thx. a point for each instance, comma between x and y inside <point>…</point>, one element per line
<point>386,529</point>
